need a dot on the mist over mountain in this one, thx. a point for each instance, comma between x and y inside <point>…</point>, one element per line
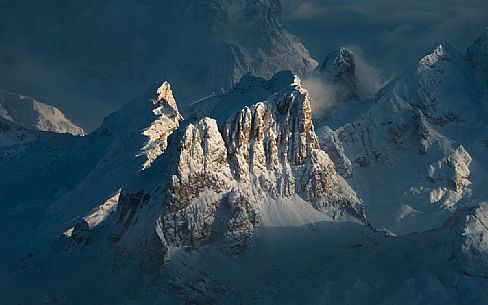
<point>98,53</point>
<point>391,34</point>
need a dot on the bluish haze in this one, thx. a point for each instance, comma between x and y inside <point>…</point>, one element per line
<point>90,57</point>
<point>391,34</point>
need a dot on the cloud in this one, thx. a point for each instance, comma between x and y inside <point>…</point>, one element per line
<point>322,95</point>
<point>370,78</point>
<point>307,10</point>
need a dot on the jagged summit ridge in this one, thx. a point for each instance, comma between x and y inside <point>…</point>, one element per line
<point>247,92</point>
<point>273,143</point>
<point>167,120</point>
<point>215,180</point>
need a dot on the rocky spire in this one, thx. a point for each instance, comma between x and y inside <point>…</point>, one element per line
<point>166,121</point>
<point>338,70</point>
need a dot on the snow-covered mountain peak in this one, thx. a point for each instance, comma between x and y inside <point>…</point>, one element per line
<point>340,57</point>
<point>272,139</point>
<point>167,119</point>
<point>214,181</point>
<point>420,124</point>
<point>165,95</point>
<point>32,114</point>
<point>337,62</point>
<point>442,52</point>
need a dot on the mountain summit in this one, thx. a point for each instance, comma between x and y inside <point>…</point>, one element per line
<point>31,114</point>
<point>338,70</point>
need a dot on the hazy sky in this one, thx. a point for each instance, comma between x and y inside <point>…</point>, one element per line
<point>390,34</point>
<point>386,35</point>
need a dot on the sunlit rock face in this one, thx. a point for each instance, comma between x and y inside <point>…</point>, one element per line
<point>167,119</point>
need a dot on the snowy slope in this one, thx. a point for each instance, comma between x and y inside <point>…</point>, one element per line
<point>31,114</point>
<point>37,167</point>
<point>306,261</point>
<point>11,133</point>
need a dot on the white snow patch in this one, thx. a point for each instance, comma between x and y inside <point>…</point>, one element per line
<point>100,213</point>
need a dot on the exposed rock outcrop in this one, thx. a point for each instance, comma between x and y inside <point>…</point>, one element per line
<point>213,184</point>
<point>167,120</point>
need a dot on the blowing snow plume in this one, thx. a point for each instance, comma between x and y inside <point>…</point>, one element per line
<point>343,76</point>
<point>370,78</point>
<point>323,95</point>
